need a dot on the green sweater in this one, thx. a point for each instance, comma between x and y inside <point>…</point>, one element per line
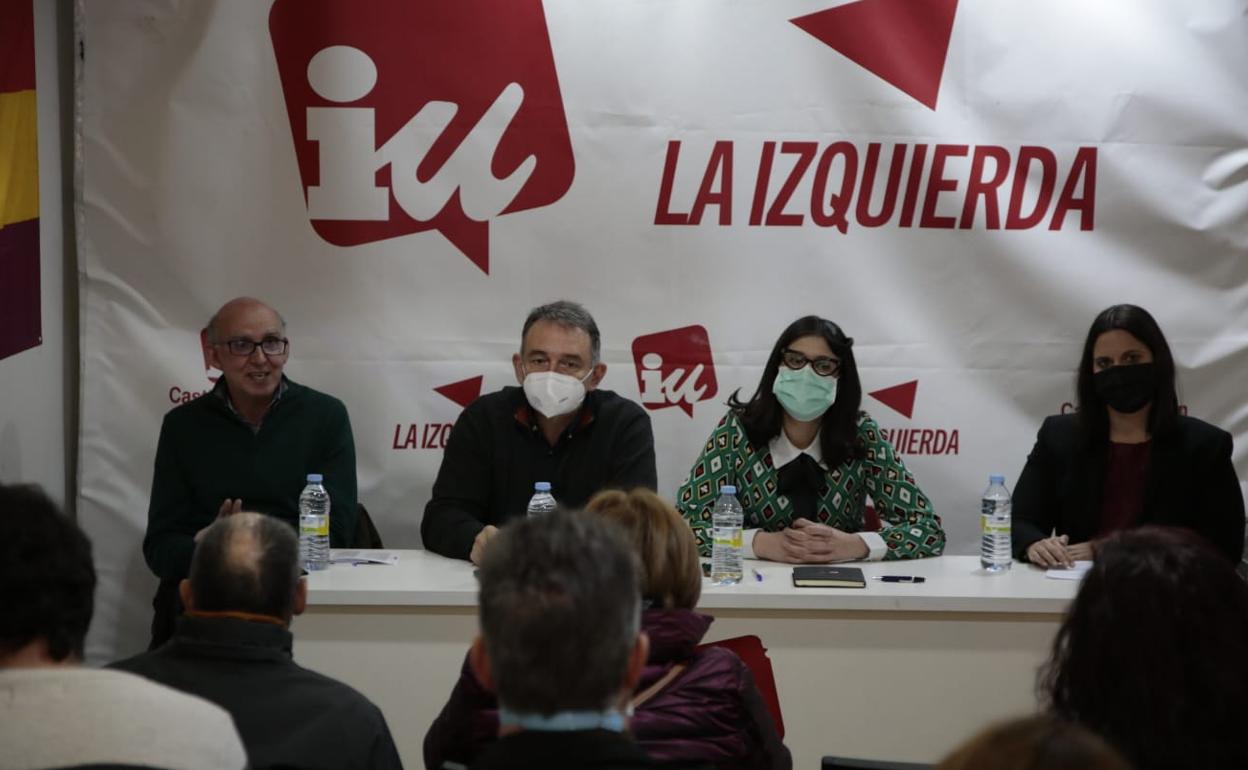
<point>207,454</point>
<point>910,528</point>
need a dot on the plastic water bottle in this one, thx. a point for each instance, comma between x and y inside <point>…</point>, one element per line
<point>542,501</point>
<point>314,524</point>
<point>727,520</point>
<point>996,553</point>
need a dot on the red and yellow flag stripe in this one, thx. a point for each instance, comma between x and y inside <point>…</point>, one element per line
<point>20,321</point>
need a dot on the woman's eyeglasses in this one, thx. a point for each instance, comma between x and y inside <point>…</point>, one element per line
<point>823,365</point>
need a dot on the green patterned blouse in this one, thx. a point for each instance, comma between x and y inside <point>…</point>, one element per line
<point>910,528</point>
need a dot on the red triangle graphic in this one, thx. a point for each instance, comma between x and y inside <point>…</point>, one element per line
<point>899,398</point>
<point>471,237</point>
<point>463,392</point>
<point>902,41</point>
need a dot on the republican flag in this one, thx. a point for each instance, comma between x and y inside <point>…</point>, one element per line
<point>19,181</point>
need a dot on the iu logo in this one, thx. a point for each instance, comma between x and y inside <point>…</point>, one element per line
<point>675,368</point>
<point>412,115</point>
<point>211,372</point>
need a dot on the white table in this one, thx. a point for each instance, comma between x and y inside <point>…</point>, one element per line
<point>893,671</point>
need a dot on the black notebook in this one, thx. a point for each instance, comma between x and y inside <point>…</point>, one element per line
<point>822,576</point>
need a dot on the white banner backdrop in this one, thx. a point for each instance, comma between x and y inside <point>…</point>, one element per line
<point>721,165</point>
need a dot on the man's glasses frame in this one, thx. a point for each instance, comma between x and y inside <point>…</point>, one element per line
<point>243,347</point>
<point>823,365</point>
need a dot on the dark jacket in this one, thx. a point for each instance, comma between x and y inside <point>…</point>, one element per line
<point>497,452</point>
<point>710,715</point>
<point>577,750</point>
<point>287,715</point>
<point>207,454</point>
<point>1191,483</point>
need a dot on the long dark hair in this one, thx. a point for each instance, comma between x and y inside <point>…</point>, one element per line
<point>762,416</point>
<point>1093,417</point>
<point>1151,654</point>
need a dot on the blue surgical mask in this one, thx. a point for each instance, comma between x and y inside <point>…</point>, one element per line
<point>804,394</point>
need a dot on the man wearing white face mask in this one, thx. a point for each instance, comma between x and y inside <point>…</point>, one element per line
<point>557,427</point>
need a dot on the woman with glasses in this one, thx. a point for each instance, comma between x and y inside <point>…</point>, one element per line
<point>1127,456</point>
<point>804,460</point>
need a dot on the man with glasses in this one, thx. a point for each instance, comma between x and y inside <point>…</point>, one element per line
<point>248,443</point>
<point>558,426</point>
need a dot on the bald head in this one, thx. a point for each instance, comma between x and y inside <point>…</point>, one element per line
<point>239,308</point>
<point>247,562</point>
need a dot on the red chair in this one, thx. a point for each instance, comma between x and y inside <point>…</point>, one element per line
<point>751,651</point>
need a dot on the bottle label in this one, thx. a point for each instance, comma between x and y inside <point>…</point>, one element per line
<point>316,528</point>
<point>731,537</point>
<point>994,508</point>
<point>992,525</point>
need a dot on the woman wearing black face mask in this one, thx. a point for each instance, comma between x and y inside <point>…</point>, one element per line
<point>1126,457</point>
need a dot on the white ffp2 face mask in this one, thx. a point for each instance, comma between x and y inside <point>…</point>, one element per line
<point>553,394</point>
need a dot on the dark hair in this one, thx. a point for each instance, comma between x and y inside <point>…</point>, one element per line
<point>247,562</point>
<point>1093,418</point>
<point>560,610</point>
<point>662,540</point>
<point>569,314</point>
<point>762,416</point>
<point>1040,742</point>
<point>47,578</point>
<point>1151,654</point>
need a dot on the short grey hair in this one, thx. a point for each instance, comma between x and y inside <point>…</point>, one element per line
<point>569,314</point>
<point>560,609</point>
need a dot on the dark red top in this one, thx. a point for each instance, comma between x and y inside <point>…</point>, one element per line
<point>1122,499</point>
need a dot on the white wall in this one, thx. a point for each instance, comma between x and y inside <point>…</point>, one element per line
<point>39,387</point>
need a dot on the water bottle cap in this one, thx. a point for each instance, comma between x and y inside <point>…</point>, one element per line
<point>727,489</point>
<point>315,478</point>
<point>996,479</point>
<point>542,486</point>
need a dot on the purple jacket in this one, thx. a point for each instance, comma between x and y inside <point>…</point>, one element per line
<point>710,715</point>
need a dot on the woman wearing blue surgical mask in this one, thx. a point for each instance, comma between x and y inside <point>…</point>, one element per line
<point>804,459</point>
<point>1126,457</point>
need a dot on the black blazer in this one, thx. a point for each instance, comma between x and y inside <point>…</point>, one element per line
<point>1191,483</point>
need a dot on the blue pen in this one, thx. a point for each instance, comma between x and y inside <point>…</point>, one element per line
<point>758,576</point>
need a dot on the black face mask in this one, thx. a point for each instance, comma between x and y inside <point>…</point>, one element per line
<point>1127,389</point>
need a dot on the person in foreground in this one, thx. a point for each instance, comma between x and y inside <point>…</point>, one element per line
<point>559,426</point>
<point>53,711</point>
<point>1151,653</point>
<point>1039,742</point>
<point>804,458</point>
<point>233,647</point>
<point>248,443</point>
<point>1127,456</point>
<point>691,706</point>
<point>560,644</point>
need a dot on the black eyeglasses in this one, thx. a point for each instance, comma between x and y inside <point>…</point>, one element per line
<point>270,346</point>
<point>823,365</point>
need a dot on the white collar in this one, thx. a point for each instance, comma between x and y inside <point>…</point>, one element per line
<point>783,452</point>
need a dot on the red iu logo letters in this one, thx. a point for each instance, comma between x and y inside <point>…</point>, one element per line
<point>675,368</point>
<point>411,116</point>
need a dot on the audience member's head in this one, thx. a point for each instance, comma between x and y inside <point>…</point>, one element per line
<point>1035,743</point>
<point>560,609</point>
<point>1153,654</point>
<point>47,580</point>
<point>671,572</point>
<point>246,563</point>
